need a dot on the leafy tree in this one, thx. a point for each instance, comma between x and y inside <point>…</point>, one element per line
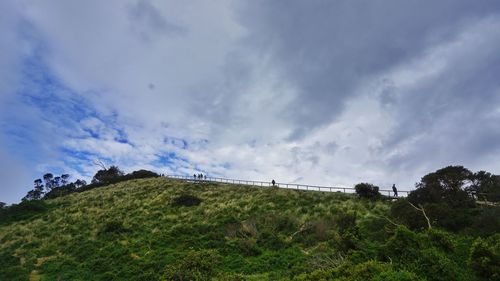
<point>80,183</point>
<point>108,175</point>
<point>3,205</point>
<point>37,192</point>
<point>446,185</point>
<point>367,190</point>
<point>64,179</point>
<point>485,186</point>
<point>48,178</point>
<point>56,182</point>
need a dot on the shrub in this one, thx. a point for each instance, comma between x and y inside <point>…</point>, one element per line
<point>24,210</point>
<point>404,243</point>
<point>396,276</point>
<point>196,266</point>
<point>435,266</point>
<point>113,227</point>
<point>367,190</point>
<point>187,200</point>
<point>484,257</point>
<point>440,239</point>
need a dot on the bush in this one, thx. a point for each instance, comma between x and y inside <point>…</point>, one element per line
<point>187,200</point>
<point>435,266</point>
<point>113,227</point>
<point>484,257</point>
<point>196,266</point>
<point>367,190</point>
<point>22,211</point>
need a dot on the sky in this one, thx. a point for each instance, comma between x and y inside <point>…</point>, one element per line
<point>318,92</point>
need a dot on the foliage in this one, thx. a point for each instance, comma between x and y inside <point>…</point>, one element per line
<point>485,186</point>
<point>186,200</point>
<point>484,257</point>
<point>106,176</point>
<point>367,190</point>
<point>196,266</point>
<point>131,230</point>
<point>445,185</point>
<point>22,211</point>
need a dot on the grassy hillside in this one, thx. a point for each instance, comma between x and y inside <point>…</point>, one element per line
<point>150,230</point>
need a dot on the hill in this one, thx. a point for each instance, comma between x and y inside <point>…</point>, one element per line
<point>163,229</point>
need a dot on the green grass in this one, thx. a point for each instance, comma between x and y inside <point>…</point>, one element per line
<point>134,230</point>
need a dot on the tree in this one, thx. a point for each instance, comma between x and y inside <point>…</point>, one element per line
<point>37,192</point>
<point>48,178</point>
<point>485,186</point>
<point>367,190</point>
<point>108,175</point>
<point>56,182</point>
<point>447,185</point>
<point>64,179</point>
<point>2,205</point>
<point>80,183</point>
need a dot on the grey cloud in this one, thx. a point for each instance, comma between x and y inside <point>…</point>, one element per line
<point>453,116</point>
<point>328,48</point>
<point>148,21</point>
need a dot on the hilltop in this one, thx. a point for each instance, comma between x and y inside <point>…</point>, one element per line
<point>164,229</point>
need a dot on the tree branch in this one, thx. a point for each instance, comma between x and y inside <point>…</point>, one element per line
<point>99,163</point>
<point>421,209</point>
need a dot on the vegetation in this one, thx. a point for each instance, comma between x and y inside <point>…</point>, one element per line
<point>367,190</point>
<point>162,229</point>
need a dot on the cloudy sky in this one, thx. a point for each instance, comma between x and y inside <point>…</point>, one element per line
<point>317,92</point>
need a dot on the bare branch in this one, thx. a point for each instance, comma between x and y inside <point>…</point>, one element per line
<point>421,209</point>
<point>389,220</point>
<point>99,163</point>
<point>304,227</point>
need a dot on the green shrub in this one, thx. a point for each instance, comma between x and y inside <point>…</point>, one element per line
<point>345,221</point>
<point>396,276</point>
<point>404,244</point>
<point>113,227</point>
<point>484,257</point>
<point>436,266</point>
<point>196,266</point>
<point>22,211</point>
<point>404,213</point>
<point>440,239</point>
<point>187,200</point>
<point>367,190</point>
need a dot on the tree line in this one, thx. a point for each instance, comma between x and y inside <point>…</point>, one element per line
<point>50,186</point>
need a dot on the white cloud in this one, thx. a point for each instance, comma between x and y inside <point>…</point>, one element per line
<point>246,91</point>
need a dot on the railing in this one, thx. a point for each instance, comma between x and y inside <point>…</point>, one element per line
<point>389,193</point>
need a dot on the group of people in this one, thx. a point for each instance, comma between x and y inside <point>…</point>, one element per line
<point>199,176</point>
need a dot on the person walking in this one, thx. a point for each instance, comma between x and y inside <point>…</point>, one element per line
<point>273,182</point>
<point>395,190</point>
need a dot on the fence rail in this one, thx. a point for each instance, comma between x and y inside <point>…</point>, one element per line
<point>306,187</point>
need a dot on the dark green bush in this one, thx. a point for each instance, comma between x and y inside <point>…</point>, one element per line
<point>187,200</point>
<point>404,244</point>
<point>22,211</point>
<point>367,190</point>
<point>484,257</point>
<point>434,265</point>
<point>440,239</point>
<point>113,227</point>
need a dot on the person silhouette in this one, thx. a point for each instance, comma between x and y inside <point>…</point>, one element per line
<point>194,176</point>
<point>273,182</point>
<point>395,190</point>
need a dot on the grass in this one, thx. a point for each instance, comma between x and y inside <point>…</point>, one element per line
<point>136,230</point>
